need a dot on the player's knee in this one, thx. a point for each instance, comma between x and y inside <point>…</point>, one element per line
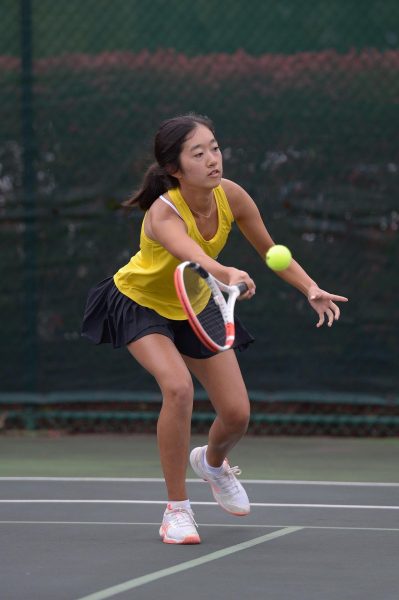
<point>243,421</point>
<point>237,420</point>
<point>178,393</point>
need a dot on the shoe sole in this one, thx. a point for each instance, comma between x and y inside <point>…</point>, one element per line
<point>189,539</point>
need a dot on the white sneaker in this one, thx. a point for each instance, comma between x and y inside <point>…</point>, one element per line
<point>178,526</point>
<point>226,489</point>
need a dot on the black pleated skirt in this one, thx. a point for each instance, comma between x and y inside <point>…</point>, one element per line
<point>111,317</point>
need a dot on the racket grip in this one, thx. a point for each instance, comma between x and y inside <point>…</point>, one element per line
<point>242,287</point>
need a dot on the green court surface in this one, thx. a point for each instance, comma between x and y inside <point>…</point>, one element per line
<point>301,458</point>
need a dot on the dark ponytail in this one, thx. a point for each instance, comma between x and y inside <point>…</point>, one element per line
<point>156,181</point>
<point>168,144</point>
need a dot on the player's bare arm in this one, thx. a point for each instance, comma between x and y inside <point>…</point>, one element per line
<point>250,223</point>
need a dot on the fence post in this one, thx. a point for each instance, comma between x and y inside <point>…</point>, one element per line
<point>28,194</point>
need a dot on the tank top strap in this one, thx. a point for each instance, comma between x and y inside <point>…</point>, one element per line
<point>169,203</point>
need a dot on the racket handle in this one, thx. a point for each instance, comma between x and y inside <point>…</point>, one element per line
<point>242,287</point>
<point>200,270</point>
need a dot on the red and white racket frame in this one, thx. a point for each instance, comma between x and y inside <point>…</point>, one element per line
<point>226,308</point>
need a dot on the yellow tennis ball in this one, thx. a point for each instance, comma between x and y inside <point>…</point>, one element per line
<point>278,257</point>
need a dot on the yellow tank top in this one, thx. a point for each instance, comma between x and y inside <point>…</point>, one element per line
<point>148,277</point>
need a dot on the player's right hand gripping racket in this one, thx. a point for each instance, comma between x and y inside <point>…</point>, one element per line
<point>211,317</point>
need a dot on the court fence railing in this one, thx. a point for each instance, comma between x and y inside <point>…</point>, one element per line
<point>282,413</point>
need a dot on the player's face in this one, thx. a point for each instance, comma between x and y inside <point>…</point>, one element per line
<point>201,161</point>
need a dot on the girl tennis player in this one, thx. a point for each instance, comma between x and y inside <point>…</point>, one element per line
<point>189,210</point>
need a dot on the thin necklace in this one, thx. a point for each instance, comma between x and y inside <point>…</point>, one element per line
<point>201,214</point>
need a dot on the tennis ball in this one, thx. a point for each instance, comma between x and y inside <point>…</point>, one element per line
<point>278,258</point>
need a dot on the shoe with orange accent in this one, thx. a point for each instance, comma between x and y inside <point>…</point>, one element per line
<point>178,526</point>
<point>226,489</point>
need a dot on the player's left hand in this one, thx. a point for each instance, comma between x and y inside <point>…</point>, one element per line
<point>323,303</point>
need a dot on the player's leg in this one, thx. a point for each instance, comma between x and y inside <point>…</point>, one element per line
<point>158,355</point>
<point>221,377</point>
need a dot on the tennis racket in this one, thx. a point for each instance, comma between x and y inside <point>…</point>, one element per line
<point>209,313</point>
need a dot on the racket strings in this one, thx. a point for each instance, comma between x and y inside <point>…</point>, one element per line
<point>205,306</point>
<point>212,322</point>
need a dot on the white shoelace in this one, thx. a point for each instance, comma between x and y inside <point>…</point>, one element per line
<point>227,480</point>
<point>181,517</point>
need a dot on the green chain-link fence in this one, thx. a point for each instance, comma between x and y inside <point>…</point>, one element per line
<point>305,98</point>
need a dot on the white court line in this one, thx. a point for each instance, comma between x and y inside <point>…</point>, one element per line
<point>161,480</point>
<point>233,525</point>
<point>190,564</point>
<point>257,504</point>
